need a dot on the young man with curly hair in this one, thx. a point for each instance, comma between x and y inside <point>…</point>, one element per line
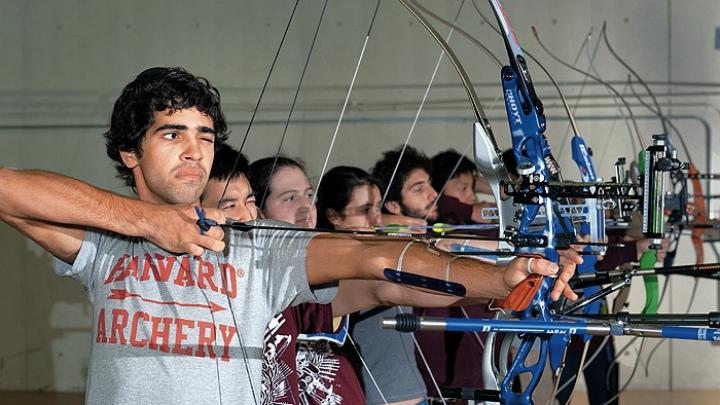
<point>188,327</point>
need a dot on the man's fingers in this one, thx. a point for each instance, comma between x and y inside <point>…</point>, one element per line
<point>215,232</point>
<point>544,267</point>
<point>215,214</point>
<point>192,249</point>
<point>561,287</point>
<point>210,243</point>
<point>568,292</point>
<point>571,255</point>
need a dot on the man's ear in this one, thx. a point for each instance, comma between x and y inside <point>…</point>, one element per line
<point>130,159</point>
<point>393,207</point>
<point>333,216</point>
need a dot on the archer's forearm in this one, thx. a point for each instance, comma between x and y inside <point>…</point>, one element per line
<point>333,257</point>
<point>49,197</point>
<point>358,295</point>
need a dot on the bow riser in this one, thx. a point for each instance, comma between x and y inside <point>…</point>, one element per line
<point>491,167</point>
<point>534,162</point>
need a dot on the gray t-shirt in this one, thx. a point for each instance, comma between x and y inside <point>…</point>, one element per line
<point>176,329</point>
<point>391,363</point>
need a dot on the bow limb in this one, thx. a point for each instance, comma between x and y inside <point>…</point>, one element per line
<point>477,109</point>
<point>422,105</point>
<point>598,80</point>
<point>486,150</point>
<point>632,71</point>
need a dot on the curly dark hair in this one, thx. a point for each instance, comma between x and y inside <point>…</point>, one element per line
<point>262,171</point>
<point>336,190</point>
<point>228,163</point>
<point>153,90</point>
<point>411,159</point>
<point>449,165</point>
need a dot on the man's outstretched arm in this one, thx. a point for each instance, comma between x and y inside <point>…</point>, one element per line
<point>53,210</point>
<point>335,257</point>
<point>358,295</point>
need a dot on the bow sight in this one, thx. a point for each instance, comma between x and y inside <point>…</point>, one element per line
<point>659,161</point>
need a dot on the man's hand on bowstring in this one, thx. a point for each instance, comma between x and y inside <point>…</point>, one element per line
<point>175,229</point>
<point>520,267</point>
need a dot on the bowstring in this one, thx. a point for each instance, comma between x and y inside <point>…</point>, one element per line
<point>332,143</point>
<point>367,368</point>
<point>346,101</point>
<point>260,97</point>
<point>294,101</point>
<point>588,38</point>
<point>243,347</point>
<point>411,131</point>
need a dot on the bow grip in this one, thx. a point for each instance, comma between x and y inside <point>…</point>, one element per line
<point>522,295</point>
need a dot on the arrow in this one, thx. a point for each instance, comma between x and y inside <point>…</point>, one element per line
<point>117,294</point>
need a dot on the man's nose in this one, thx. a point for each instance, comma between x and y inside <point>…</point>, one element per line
<point>432,194</point>
<point>192,150</point>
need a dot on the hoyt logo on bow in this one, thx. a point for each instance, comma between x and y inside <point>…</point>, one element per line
<point>120,294</point>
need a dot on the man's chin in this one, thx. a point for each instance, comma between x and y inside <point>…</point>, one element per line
<point>184,195</point>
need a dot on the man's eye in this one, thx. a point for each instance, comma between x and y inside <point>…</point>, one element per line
<point>171,135</point>
<point>209,139</point>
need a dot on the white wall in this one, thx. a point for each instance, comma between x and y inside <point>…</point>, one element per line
<point>64,62</point>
